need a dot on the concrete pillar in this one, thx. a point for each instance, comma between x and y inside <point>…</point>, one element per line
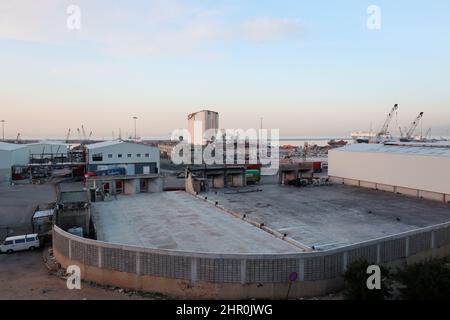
<point>243,271</point>
<point>301,270</point>
<point>130,186</point>
<point>138,263</point>
<point>378,254</point>
<point>407,247</point>
<point>100,262</point>
<point>194,269</point>
<point>345,261</point>
<point>432,240</point>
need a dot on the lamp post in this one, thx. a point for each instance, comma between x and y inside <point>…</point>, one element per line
<point>3,129</point>
<point>135,132</point>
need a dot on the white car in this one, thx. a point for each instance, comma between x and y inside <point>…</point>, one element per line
<point>20,243</point>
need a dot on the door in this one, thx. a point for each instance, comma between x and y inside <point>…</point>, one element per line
<point>20,244</point>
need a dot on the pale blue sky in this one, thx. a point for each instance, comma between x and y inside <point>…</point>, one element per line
<point>308,67</point>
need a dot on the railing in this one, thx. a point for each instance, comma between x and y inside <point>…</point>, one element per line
<point>246,268</point>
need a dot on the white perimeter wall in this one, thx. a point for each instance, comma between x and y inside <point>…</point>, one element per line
<point>427,173</point>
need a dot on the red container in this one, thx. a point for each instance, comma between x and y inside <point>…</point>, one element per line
<point>317,165</point>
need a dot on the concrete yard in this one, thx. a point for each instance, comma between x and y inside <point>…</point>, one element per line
<point>333,216</point>
<point>179,221</point>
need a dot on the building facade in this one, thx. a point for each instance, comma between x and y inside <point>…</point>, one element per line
<point>420,170</point>
<point>118,167</point>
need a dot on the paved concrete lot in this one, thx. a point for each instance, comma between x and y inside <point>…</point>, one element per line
<point>17,204</point>
<point>179,221</point>
<point>332,216</point>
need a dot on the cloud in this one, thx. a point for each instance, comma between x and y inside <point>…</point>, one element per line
<point>270,29</point>
<point>154,28</point>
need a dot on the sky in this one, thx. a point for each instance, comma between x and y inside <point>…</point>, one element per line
<point>308,68</point>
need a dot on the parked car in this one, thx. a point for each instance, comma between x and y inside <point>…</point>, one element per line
<point>20,243</point>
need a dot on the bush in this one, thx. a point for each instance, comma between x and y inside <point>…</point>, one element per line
<point>356,282</point>
<point>429,280</point>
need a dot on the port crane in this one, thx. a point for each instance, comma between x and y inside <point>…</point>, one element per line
<point>409,133</point>
<point>68,136</point>
<point>384,132</point>
<point>84,133</point>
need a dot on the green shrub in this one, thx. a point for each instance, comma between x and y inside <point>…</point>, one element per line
<point>429,280</point>
<point>356,282</point>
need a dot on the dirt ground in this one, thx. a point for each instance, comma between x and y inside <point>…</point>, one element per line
<point>23,275</point>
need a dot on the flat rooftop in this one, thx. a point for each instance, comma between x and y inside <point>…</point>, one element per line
<point>332,216</point>
<point>179,221</point>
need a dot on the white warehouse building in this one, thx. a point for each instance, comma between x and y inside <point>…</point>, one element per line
<point>123,167</point>
<point>419,170</point>
<point>12,155</point>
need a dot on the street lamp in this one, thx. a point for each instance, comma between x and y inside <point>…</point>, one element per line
<point>135,134</point>
<point>3,129</point>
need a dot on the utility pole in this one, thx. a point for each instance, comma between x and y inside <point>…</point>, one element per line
<point>261,126</point>
<point>135,132</point>
<point>3,129</point>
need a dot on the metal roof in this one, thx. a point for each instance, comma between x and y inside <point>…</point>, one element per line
<point>113,143</point>
<point>43,214</point>
<point>30,235</point>
<point>14,146</point>
<point>11,146</point>
<point>439,150</point>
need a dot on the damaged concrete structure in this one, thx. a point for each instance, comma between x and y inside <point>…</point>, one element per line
<point>202,178</point>
<point>73,211</point>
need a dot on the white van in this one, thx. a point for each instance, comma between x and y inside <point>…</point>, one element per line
<point>20,243</point>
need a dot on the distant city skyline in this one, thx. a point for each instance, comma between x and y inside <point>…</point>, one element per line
<point>308,68</point>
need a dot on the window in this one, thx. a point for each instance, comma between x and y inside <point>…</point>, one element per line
<point>30,239</point>
<point>138,155</point>
<point>20,241</point>
<point>119,156</point>
<point>129,155</point>
<point>110,156</point>
<point>8,243</point>
<point>147,155</point>
<point>97,157</point>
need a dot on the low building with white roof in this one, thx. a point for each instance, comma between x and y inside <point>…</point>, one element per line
<point>416,169</point>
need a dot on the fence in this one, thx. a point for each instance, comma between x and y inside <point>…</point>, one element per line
<point>244,268</point>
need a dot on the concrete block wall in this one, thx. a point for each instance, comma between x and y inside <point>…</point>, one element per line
<point>229,276</point>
